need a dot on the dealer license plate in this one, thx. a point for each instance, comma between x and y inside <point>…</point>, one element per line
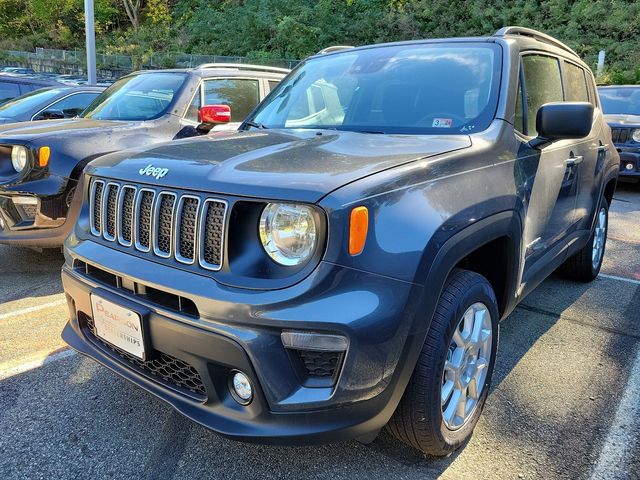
<point>117,325</point>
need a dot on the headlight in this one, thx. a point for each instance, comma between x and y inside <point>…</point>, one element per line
<point>636,135</point>
<point>19,158</point>
<point>288,233</point>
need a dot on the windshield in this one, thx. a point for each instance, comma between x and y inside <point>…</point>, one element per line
<point>28,102</point>
<point>406,89</point>
<point>623,100</point>
<point>136,97</point>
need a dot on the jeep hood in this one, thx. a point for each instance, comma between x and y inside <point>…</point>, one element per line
<point>302,165</point>
<point>616,119</point>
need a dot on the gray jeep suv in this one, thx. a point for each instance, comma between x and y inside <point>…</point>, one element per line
<point>341,263</point>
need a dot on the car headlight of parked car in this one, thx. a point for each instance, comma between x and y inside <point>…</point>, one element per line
<point>636,135</point>
<point>19,156</point>
<point>288,232</point>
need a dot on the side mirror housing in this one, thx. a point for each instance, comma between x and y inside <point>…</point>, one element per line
<point>214,114</point>
<point>561,121</point>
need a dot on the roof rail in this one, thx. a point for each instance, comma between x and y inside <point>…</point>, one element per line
<point>529,32</point>
<point>244,66</point>
<point>334,48</point>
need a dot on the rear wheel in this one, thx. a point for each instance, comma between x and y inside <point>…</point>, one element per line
<point>585,264</point>
<point>446,394</point>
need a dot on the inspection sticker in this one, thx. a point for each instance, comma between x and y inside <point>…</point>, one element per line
<point>442,123</point>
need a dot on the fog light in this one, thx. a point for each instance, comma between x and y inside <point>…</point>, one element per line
<point>629,166</point>
<point>242,388</point>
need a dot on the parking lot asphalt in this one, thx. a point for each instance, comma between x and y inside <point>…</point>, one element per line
<point>565,400</point>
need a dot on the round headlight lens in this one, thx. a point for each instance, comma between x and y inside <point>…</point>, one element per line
<point>636,135</point>
<point>288,233</point>
<point>19,158</point>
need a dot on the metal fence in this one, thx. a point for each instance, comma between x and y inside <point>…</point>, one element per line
<point>116,65</point>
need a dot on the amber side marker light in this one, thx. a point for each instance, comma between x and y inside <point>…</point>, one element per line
<point>358,229</point>
<point>43,156</point>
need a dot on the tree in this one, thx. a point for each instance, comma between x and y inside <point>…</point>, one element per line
<point>132,7</point>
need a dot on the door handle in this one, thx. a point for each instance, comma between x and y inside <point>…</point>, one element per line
<point>574,161</point>
<point>602,148</point>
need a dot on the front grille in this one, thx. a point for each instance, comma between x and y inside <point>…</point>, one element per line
<point>621,135</point>
<point>189,228</point>
<point>171,370</point>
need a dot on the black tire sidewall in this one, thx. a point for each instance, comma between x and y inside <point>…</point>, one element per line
<point>479,292</point>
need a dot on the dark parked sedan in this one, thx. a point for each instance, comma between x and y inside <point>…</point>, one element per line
<point>12,86</point>
<point>48,103</point>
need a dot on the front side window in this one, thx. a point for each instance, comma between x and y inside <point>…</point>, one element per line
<point>543,84</point>
<point>242,95</point>
<point>621,101</point>
<point>137,97</point>
<point>75,104</point>
<point>576,84</point>
<point>8,91</point>
<point>406,89</point>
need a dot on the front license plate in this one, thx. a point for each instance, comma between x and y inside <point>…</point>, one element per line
<point>117,325</point>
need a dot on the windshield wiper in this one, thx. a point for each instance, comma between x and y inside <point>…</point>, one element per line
<point>255,125</point>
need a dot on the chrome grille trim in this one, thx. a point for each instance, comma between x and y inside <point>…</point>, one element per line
<point>203,226</point>
<point>110,210</point>
<point>156,226</point>
<point>178,229</point>
<point>189,228</point>
<point>139,218</point>
<point>122,223</point>
<point>95,229</point>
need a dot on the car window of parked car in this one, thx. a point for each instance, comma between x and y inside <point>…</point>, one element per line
<point>410,89</point>
<point>73,104</point>
<point>543,84</point>
<point>576,83</point>
<point>137,97</point>
<point>8,90</point>
<point>27,102</point>
<point>273,84</point>
<point>622,101</point>
<point>242,95</point>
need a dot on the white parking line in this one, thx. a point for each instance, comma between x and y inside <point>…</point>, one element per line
<point>24,311</point>
<point>25,367</point>
<point>621,279</point>
<point>619,444</point>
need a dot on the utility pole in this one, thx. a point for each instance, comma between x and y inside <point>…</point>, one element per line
<point>91,41</point>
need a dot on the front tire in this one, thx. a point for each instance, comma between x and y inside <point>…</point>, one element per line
<point>585,265</point>
<point>447,391</point>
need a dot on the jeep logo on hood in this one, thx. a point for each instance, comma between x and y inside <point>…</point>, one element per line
<point>155,172</point>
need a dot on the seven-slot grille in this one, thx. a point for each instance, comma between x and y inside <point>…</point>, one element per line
<point>621,135</point>
<point>187,227</point>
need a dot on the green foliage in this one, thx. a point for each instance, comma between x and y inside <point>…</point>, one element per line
<point>267,29</point>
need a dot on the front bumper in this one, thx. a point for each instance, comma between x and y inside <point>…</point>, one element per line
<point>629,162</point>
<point>240,330</point>
<point>42,221</point>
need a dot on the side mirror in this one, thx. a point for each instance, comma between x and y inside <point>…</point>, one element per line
<point>561,121</point>
<point>51,115</point>
<point>214,114</point>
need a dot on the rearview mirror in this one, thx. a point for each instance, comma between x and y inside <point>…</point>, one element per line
<point>561,121</point>
<point>214,114</point>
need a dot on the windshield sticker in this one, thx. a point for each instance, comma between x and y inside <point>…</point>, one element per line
<point>442,123</point>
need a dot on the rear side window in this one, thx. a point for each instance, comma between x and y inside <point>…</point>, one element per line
<point>8,91</point>
<point>543,84</point>
<point>576,84</point>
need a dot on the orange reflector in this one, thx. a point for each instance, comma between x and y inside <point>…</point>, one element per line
<point>358,230</point>
<point>43,156</point>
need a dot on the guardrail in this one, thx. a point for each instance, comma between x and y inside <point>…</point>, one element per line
<point>115,65</point>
